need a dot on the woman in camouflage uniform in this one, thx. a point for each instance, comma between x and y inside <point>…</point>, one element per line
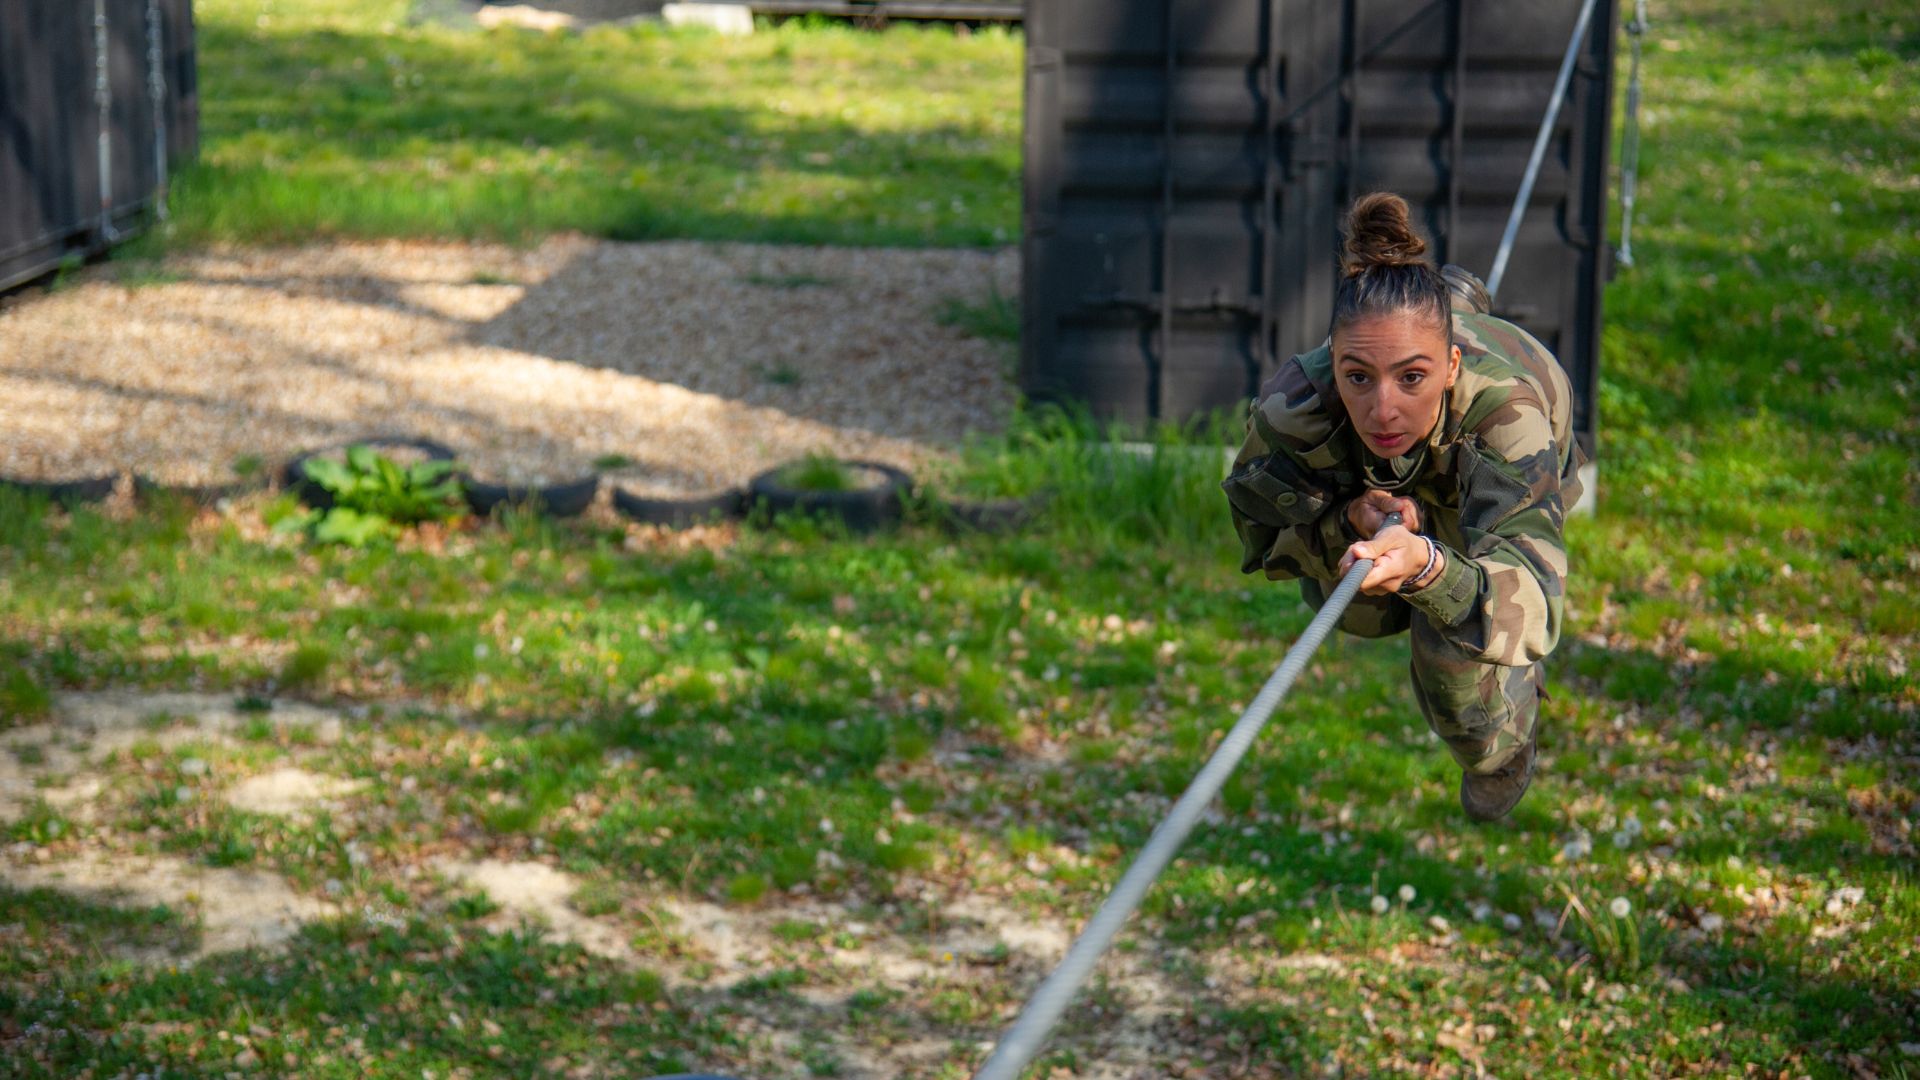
<point>1423,403</point>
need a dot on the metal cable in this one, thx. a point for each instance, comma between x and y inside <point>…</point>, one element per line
<point>1539,149</point>
<point>1030,1030</point>
<point>1630,139</point>
<point>103,100</point>
<point>157,91</point>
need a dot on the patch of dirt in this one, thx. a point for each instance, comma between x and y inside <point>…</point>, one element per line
<point>236,909</point>
<point>289,791</point>
<point>87,727</point>
<point>978,943</point>
<point>541,893</point>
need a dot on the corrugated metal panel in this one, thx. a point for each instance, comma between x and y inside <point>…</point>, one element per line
<point>50,203</point>
<point>1187,164</point>
<point>46,185</point>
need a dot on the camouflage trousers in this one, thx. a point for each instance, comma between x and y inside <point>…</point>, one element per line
<point>1484,712</point>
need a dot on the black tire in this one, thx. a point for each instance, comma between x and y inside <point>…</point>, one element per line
<point>296,480</point>
<point>680,513</point>
<point>861,511</point>
<point>991,515</point>
<point>68,493</point>
<point>567,499</point>
<point>198,494</point>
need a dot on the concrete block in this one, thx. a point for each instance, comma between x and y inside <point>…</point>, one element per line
<point>725,18</point>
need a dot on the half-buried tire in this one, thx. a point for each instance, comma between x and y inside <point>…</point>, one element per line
<point>991,515</point>
<point>567,499</point>
<point>680,513</point>
<point>198,494</point>
<point>862,509</point>
<point>91,489</point>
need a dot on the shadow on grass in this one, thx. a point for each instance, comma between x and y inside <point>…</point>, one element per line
<point>345,995</point>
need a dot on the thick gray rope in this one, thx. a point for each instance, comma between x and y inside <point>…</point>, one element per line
<point>1539,150</point>
<point>1029,1032</point>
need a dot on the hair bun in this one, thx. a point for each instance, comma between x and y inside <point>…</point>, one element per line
<point>1380,232</point>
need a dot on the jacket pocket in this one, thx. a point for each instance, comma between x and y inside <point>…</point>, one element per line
<point>1276,492</point>
<point>1491,490</point>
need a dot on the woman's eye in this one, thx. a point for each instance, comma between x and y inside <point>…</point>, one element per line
<point>1356,378</point>
<point>1412,378</point>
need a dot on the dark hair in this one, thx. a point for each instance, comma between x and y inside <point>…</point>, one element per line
<point>1384,268</point>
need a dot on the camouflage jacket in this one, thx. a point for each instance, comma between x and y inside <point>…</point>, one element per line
<point>1493,481</point>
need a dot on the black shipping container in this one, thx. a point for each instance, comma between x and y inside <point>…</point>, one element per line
<point>51,54</point>
<point>1188,163</point>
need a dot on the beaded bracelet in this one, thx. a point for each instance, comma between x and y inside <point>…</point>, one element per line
<point>1408,585</point>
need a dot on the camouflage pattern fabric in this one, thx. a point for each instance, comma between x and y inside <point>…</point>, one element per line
<point>1493,480</point>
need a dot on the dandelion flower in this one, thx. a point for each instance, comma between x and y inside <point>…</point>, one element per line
<point>1406,894</point>
<point>1620,907</point>
<point>1379,905</point>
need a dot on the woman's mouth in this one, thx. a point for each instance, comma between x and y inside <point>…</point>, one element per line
<point>1390,442</point>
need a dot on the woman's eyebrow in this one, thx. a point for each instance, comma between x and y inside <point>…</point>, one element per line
<point>1350,358</point>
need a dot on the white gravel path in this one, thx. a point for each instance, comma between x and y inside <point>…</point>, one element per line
<point>701,363</point>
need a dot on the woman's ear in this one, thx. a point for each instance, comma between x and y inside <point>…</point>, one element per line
<point>1453,366</point>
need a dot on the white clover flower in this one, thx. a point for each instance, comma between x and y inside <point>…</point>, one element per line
<point>1479,909</point>
<point>1711,922</point>
<point>1379,904</point>
<point>1632,825</point>
<point>1620,907</point>
<point>1623,839</point>
<point>1406,894</point>
<point>1511,922</point>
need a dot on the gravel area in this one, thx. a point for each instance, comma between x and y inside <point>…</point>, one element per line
<point>701,364</point>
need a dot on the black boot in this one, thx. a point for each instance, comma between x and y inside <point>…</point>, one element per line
<point>1488,796</point>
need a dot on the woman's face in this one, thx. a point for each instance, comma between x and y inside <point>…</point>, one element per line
<point>1393,371</point>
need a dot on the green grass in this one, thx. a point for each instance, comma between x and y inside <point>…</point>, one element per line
<point>340,118</point>
<point>769,720</point>
<point>818,472</point>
